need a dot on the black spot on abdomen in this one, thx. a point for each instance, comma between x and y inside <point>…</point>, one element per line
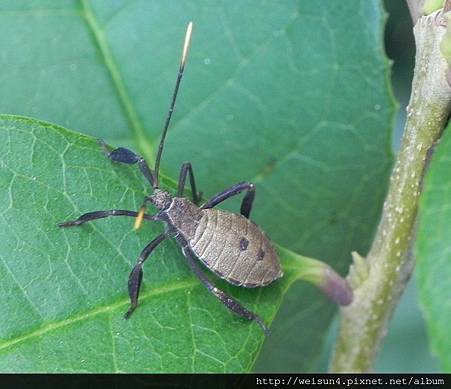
<point>243,244</point>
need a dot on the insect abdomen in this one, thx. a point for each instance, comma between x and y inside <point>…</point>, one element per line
<point>235,249</point>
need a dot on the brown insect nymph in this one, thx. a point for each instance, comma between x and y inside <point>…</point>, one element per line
<point>229,244</point>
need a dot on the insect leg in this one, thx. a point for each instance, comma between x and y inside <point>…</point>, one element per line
<point>136,275</point>
<point>246,205</point>
<point>87,217</point>
<point>123,155</point>
<point>227,300</point>
<point>184,171</point>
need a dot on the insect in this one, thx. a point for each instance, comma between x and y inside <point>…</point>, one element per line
<point>229,244</point>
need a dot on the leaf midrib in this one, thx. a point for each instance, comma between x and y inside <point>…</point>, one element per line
<point>136,124</point>
<point>188,284</point>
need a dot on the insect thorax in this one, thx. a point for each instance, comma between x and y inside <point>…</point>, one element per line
<point>161,199</point>
<point>183,216</point>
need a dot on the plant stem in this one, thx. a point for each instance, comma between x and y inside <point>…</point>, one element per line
<point>364,322</point>
<point>415,8</point>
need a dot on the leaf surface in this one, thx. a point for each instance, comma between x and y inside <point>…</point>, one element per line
<point>433,249</point>
<point>292,96</point>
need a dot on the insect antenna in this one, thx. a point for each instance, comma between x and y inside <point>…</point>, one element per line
<point>174,97</point>
<point>140,215</point>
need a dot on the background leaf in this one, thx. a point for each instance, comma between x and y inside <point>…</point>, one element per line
<point>292,96</point>
<point>433,251</point>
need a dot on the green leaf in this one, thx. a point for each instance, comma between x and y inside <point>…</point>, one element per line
<point>407,323</point>
<point>69,284</point>
<point>433,249</point>
<point>292,96</point>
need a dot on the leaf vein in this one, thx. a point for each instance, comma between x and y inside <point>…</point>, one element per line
<point>24,292</point>
<point>189,283</point>
<point>118,82</point>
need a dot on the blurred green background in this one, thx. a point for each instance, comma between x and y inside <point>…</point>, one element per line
<point>406,346</point>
